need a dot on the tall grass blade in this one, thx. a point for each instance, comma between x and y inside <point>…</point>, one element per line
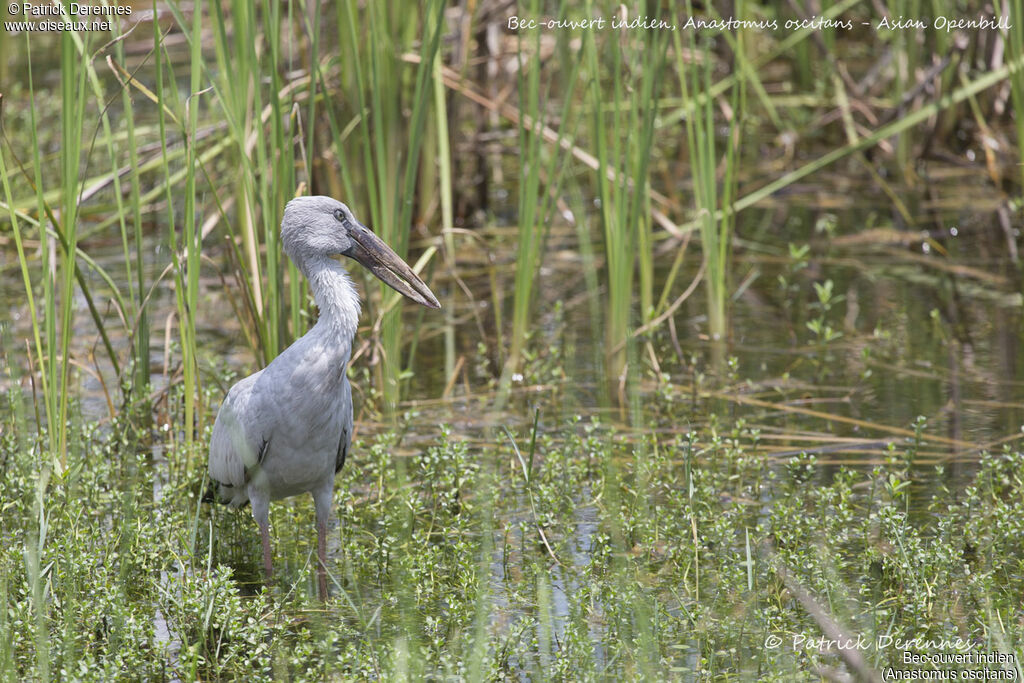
<point>709,194</point>
<point>540,182</point>
<point>622,141</point>
<point>390,144</point>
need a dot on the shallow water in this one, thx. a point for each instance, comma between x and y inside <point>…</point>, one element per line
<point>921,333</point>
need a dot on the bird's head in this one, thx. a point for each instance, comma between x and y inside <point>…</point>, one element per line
<point>321,226</point>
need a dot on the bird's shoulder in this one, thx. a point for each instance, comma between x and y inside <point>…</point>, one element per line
<point>239,410</point>
<point>237,436</point>
<point>239,396</point>
<point>243,387</point>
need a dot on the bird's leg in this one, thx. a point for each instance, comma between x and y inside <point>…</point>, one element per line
<point>321,553</point>
<point>265,536</point>
<point>322,505</point>
<point>261,513</point>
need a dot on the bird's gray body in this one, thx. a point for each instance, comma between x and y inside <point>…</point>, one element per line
<point>286,429</point>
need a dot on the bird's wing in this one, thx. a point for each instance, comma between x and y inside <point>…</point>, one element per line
<point>238,444</point>
<point>345,442</point>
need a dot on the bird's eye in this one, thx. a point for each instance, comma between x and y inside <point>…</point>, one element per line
<point>340,215</point>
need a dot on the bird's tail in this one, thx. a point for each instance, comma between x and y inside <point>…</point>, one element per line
<point>224,494</point>
<point>210,493</point>
<point>213,490</point>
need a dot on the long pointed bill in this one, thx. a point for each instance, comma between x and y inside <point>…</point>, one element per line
<point>370,250</point>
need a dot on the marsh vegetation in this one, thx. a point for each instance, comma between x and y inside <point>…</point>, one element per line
<point>728,364</point>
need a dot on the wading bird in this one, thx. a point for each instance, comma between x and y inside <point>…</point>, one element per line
<point>287,429</point>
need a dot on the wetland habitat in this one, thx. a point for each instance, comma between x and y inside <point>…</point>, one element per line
<point>727,382</point>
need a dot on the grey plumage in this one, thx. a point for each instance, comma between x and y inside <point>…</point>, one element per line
<point>287,429</point>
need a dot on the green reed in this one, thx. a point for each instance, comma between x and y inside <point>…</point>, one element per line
<point>710,194</point>
<point>388,144</point>
<point>139,314</point>
<point>175,116</point>
<point>248,48</point>
<point>259,141</point>
<point>129,302</point>
<point>1015,44</point>
<point>72,88</point>
<point>541,172</point>
<point>441,149</point>
<point>58,193</point>
<point>906,52</point>
<point>52,331</point>
<point>622,135</point>
<point>189,293</point>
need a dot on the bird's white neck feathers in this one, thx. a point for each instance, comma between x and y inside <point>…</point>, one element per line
<point>335,296</point>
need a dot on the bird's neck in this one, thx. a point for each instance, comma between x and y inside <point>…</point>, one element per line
<point>335,296</point>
